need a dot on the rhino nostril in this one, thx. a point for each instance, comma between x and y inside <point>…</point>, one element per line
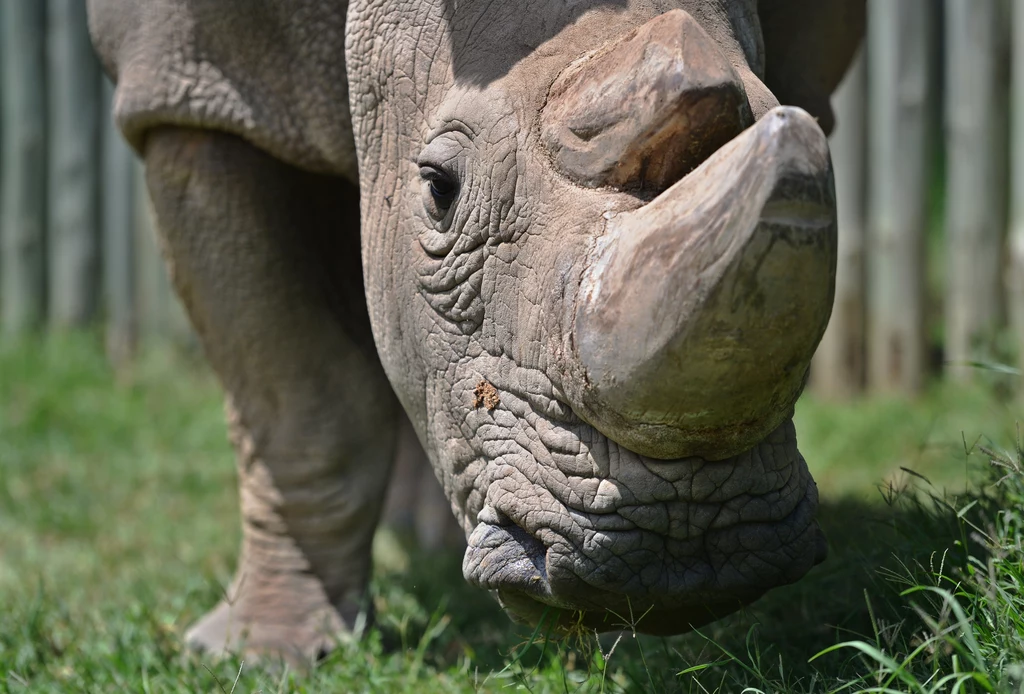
<point>505,557</point>
<point>585,133</point>
<point>492,516</point>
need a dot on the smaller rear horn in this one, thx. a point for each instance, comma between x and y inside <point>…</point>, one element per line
<point>647,109</point>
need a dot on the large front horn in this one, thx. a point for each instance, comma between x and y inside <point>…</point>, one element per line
<point>699,312</point>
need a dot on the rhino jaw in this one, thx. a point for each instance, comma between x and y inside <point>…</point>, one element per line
<point>699,312</point>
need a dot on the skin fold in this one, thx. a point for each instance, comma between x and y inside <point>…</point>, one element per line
<point>387,206</point>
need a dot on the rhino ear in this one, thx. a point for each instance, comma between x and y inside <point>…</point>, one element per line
<point>809,45</point>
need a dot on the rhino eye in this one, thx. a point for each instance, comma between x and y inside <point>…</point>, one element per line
<point>442,189</point>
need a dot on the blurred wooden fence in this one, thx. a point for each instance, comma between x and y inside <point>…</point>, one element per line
<point>931,266</point>
<point>931,258</point>
<point>76,241</point>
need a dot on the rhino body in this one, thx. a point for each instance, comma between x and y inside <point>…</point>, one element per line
<point>578,244</point>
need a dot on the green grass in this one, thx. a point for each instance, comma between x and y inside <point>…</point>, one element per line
<point>118,527</point>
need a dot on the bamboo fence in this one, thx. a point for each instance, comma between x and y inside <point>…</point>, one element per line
<point>929,157</point>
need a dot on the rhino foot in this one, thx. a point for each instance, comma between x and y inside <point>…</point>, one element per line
<point>289,618</point>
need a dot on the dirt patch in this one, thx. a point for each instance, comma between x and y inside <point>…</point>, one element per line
<point>485,395</point>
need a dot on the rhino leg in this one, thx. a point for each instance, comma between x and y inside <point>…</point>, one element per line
<point>416,506</point>
<point>266,260</point>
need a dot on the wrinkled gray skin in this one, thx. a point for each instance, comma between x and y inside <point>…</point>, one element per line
<point>600,363</point>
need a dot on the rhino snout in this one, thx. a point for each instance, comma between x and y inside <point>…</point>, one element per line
<point>661,546</point>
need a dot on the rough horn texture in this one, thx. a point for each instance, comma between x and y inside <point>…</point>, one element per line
<point>697,321</point>
<point>647,109</point>
<point>482,259</point>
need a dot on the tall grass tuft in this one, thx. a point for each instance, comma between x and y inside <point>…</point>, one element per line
<point>969,630</point>
<point>953,621</point>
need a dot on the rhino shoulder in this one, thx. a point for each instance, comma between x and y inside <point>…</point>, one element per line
<point>272,72</point>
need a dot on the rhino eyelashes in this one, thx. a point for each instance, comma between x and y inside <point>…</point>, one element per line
<point>442,188</point>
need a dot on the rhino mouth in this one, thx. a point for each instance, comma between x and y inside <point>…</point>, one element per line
<point>734,529</point>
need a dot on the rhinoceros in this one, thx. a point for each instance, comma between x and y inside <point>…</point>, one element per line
<point>586,247</point>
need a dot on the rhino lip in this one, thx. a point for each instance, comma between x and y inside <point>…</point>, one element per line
<point>513,563</point>
<point>508,556</point>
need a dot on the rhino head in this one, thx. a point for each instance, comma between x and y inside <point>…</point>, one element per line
<point>598,257</point>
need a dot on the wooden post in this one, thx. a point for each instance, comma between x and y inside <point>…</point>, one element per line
<point>73,97</point>
<point>975,190</point>
<point>1015,273</point>
<point>838,367</point>
<point>118,237</point>
<point>900,36</point>
<point>23,179</point>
